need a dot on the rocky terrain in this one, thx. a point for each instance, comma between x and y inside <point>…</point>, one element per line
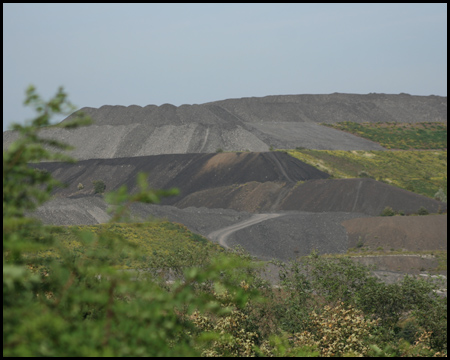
<point>247,124</point>
<point>273,205</point>
<point>301,209</point>
<point>252,182</point>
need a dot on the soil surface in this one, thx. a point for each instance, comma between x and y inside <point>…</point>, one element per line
<point>399,232</point>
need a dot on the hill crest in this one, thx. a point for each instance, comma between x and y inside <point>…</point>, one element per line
<point>248,124</point>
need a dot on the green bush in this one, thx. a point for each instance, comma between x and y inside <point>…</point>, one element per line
<point>422,211</point>
<point>312,280</point>
<point>339,331</point>
<point>234,339</point>
<point>388,211</point>
<point>99,186</point>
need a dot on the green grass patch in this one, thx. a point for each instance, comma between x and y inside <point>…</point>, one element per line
<point>160,242</point>
<point>422,172</point>
<point>402,136</point>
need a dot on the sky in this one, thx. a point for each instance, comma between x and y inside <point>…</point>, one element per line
<point>142,54</point>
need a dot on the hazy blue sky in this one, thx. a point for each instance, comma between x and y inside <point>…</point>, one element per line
<point>141,54</point>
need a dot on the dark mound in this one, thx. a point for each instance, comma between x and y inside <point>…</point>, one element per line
<point>356,195</point>
<point>252,197</point>
<point>399,232</point>
<point>333,195</point>
<point>188,172</point>
<point>253,182</point>
<point>295,234</point>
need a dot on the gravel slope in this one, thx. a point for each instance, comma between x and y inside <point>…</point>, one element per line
<point>323,195</point>
<point>188,172</point>
<point>253,182</point>
<point>295,234</point>
<point>252,124</point>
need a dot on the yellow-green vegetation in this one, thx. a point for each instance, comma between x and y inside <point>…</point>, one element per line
<point>338,331</point>
<point>156,240</point>
<point>423,172</point>
<point>405,136</point>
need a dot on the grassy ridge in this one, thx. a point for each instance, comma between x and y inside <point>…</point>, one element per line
<point>158,241</point>
<point>423,172</point>
<point>402,136</point>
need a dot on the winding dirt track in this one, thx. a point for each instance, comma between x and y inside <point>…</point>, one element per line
<point>221,235</point>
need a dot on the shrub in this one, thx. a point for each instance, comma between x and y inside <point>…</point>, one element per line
<point>99,186</point>
<point>80,186</point>
<point>219,150</point>
<point>364,174</point>
<point>341,279</point>
<point>360,243</point>
<point>422,211</point>
<point>410,187</point>
<point>440,195</point>
<point>388,211</point>
<point>234,339</point>
<point>338,331</point>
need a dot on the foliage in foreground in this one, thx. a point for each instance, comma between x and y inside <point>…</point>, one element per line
<point>82,305</point>
<point>333,280</point>
<point>72,303</point>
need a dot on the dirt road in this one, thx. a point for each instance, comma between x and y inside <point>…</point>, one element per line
<point>221,235</point>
